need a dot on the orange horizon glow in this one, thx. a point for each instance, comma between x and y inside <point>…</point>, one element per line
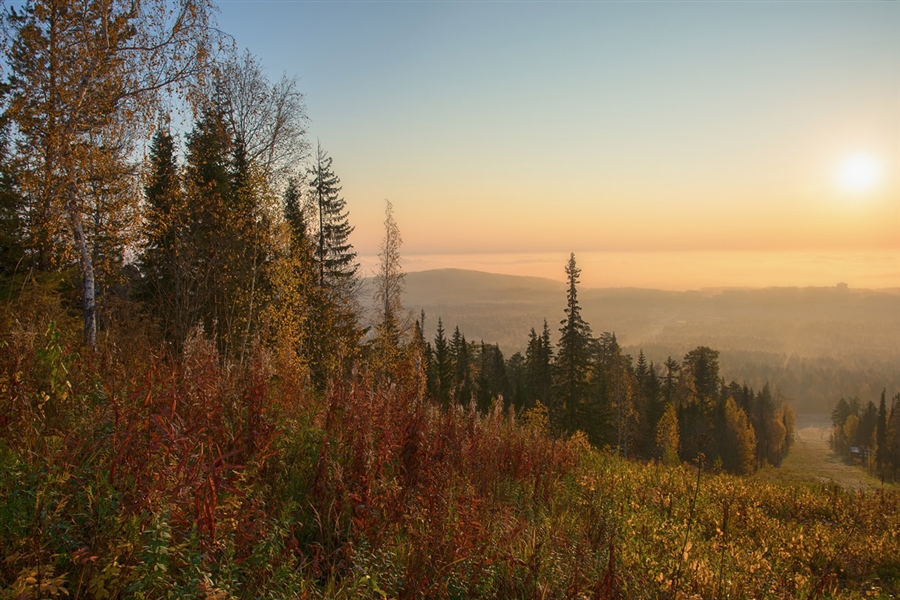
<point>680,271</point>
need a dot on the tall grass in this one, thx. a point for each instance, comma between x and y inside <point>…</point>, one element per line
<point>129,474</point>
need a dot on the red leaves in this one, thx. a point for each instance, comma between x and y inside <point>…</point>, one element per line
<point>184,436</point>
<point>391,466</point>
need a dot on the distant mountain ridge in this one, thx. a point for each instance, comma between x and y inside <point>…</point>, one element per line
<point>503,308</point>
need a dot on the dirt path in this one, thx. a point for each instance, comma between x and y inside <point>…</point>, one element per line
<point>811,459</point>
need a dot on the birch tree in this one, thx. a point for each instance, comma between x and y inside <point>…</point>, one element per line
<point>389,284</point>
<point>85,81</point>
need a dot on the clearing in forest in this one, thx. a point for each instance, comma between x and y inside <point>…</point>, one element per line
<point>811,459</point>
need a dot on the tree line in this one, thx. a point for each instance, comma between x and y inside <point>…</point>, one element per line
<point>672,412</point>
<point>869,434</point>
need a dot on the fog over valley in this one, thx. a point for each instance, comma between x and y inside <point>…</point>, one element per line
<point>813,344</point>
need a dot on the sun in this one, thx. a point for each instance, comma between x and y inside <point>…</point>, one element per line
<point>859,173</point>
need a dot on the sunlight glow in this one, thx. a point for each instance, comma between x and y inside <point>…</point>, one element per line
<point>859,173</point>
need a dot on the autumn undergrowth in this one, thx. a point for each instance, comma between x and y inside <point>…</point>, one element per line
<point>128,473</point>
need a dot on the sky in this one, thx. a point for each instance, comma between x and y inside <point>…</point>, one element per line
<point>667,144</point>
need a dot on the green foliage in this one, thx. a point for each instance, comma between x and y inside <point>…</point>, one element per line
<point>334,254</point>
<point>868,435</point>
<point>573,357</point>
<point>189,479</point>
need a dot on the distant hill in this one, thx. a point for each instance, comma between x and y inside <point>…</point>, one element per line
<point>800,338</point>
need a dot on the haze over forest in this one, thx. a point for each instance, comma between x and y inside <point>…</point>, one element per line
<point>813,345</point>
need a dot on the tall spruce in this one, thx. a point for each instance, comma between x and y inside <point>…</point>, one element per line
<point>12,247</point>
<point>442,366</point>
<point>334,252</point>
<point>459,349</point>
<point>881,434</point>
<point>208,182</point>
<point>337,332</point>
<point>573,359</point>
<point>166,277</point>
<point>492,382</point>
<point>538,367</point>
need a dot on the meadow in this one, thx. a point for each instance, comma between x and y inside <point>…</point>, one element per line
<point>129,474</point>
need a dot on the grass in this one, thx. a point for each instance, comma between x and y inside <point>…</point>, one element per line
<point>811,460</point>
<point>154,479</point>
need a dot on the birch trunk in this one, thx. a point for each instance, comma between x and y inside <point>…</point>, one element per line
<point>89,307</point>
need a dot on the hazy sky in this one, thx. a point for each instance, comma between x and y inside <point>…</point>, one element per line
<point>625,128</point>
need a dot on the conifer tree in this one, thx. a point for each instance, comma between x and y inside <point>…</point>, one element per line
<point>166,277</point>
<point>12,247</point>
<point>442,366</point>
<point>538,367</point>
<point>641,369</point>
<point>515,371</point>
<point>704,364</point>
<point>334,252</point>
<point>892,456</point>
<point>294,289</point>
<point>881,435</point>
<point>492,381</point>
<point>573,359</point>
<point>652,390</point>
<point>419,351</point>
<point>543,373</point>
<point>337,330</point>
<point>209,190</point>
<point>421,344</point>
<point>670,382</point>
<point>532,362</point>
<point>459,349</point>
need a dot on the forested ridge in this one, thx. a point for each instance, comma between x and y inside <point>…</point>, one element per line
<point>192,403</point>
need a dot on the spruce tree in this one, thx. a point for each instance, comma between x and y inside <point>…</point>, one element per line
<point>334,252</point>
<point>881,435</point>
<point>461,364</point>
<point>492,382</point>
<point>532,361</point>
<point>163,264</point>
<point>442,366</point>
<point>337,332</point>
<point>12,247</point>
<point>545,366</point>
<point>573,359</point>
<point>670,382</point>
<point>209,229</point>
